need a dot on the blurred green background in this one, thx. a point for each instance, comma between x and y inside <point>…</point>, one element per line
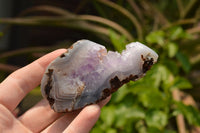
<point>166,100</point>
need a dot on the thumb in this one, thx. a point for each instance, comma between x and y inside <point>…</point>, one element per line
<point>85,120</point>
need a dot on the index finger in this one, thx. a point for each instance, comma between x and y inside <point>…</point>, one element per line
<point>15,87</point>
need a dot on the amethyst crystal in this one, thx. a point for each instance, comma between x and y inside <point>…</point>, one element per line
<point>87,73</point>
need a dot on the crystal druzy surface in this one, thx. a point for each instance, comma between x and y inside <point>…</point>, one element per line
<point>87,73</point>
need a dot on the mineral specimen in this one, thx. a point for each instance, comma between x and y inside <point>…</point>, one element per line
<point>87,73</point>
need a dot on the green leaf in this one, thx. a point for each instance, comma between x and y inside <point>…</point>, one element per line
<point>157,77</point>
<point>129,99</point>
<point>156,130</point>
<point>172,49</point>
<point>117,41</point>
<point>1,34</point>
<point>100,9</point>
<point>153,130</point>
<point>108,115</point>
<point>36,91</point>
<point>156,37</point>
<point>121,118</point>
<point>181,83</point>
<point>140,87</point>
<point>169,131</point>
<point>158,74</point>
<point>135,113</point>
<point>111,130</point>
<point>192,114</point>
<point>175,33</point>
<point>120,94</point>
<point>164,73</point>
<point>152,99</point>
<point>124,114</point>
<point>140,126</point>
<point>96,129</point>
<point>178,33</point>
<point>171,66</point>
<point>156,119</point>
<point>184,61</point>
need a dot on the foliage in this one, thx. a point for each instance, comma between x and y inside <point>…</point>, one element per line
<point>150,104</point>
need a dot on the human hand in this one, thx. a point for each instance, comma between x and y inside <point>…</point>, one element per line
<point>40,118</point>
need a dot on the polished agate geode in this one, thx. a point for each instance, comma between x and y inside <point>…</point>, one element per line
<point>87,73</point>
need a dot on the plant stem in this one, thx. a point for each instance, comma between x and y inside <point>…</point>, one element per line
<point>127,14</point>
<point>46,8</point>
<point>81,5</point>
<point>179,118</point>
<point>8,68</point>
<point>69,15</point>
<point>104,21</point>
<point>136,9</point>
<point>195,59</point>
<point>62,12</point>
<point>180,22</point>
<point>194,30</point>
<point>154,12</point>
<point>192,5</point>
<point>180,7</point>
<point>70,22</point>
<point>26,50</point>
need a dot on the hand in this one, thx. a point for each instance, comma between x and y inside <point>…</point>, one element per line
<point>40,118</point>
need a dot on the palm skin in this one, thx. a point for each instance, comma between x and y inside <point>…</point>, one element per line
<point>40,118</point>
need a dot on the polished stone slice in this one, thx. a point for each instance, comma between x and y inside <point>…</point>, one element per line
<point>87,73</point>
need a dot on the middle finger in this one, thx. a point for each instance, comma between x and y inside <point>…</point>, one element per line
<point>39,116</point>
<point>62,123</point>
